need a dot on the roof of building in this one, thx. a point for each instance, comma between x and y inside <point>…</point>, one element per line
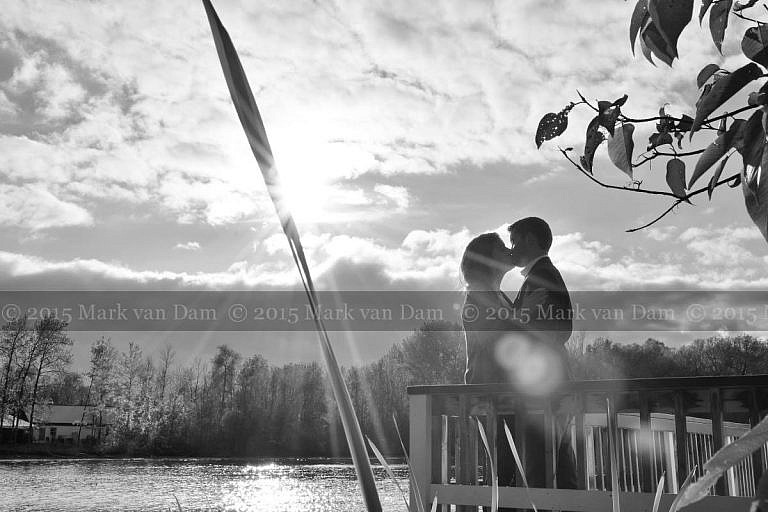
<point>70,414</point>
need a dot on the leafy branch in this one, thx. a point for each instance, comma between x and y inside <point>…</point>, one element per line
<point>656,26</point>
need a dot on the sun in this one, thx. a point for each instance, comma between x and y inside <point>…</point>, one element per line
<point>306,195</point>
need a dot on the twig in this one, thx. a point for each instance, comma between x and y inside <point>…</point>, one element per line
<point>747,18</point>
<point>680,200</point>
<point>706,121</point>
<point>657,154</point>
<point>584,100</point>
<point>616,187</point>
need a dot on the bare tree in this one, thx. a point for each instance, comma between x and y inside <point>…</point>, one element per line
<point>13,335</point>
<point>52,351</point>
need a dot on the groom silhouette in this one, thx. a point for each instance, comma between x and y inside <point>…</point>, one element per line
<point>544,297</point>
<point>543,293</point>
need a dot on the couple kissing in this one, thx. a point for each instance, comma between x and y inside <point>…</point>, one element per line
<point>518,341</point>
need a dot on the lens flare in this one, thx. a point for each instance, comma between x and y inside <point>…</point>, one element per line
<point>535,368</point>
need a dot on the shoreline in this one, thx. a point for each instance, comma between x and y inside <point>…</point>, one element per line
<point>6,457</point>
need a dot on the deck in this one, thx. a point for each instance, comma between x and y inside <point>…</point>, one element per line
<point>651,417</point>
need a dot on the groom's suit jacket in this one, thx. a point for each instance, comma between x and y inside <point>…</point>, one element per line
<point>544,296</point>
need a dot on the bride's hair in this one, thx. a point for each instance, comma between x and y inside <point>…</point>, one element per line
<point>477,262</point>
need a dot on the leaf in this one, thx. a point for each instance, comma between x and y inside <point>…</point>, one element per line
<point>646,51</point>
<point>411,477</point>
<point>551,125</point>
<point>756,98</point>
<point>519,463</point>
<point>716,176</point>
<point>639,15</point>
<point>670,18</point>
<point>756,200</point>
<point>761,497</point>
<point>620,102</point>
<point>722,90</point>
<point>659,139</point>
<point>704,7</point>
<point>388,469</point>
<point>718,21</point>
<point>608,119</point>
<point>745,5</point>
<point>594,138</point>
<point>679,137</point>
<point>751,139</point>
<point>686,484</point>
<point>716,150</point>
<point>727,456</point>
<point>705,74</point>
<point>685,123</point>
<point>755,44</point>
<point>653,39</point>
<point>676,177</point>
<point>494,479</point>
<point>620,149</point>
<point>659,491</point>
<point>666,123</point>
<point>736,182</point>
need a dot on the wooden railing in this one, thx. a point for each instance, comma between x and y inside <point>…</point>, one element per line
<point>652,416</point>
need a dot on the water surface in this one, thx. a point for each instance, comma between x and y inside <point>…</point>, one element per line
<point>198,484</point>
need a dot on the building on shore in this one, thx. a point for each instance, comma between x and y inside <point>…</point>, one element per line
<point>71,423</point>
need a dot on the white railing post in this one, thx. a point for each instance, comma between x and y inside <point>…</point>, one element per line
<point>420,419</point>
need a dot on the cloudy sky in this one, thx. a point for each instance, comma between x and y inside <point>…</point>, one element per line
<point>401,130</point>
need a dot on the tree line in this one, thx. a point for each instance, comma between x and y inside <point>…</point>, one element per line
<point>233,405</point>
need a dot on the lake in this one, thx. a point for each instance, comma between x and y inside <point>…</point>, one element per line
<point>198,484</point>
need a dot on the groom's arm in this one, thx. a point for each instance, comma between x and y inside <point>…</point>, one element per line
<point>549,308</point>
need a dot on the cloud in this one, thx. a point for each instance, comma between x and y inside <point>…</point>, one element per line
<point>358,90</point>
<point>722,247</point>
<point>31,207</point>
<point>396,195</point>
<point>660,234</point>
<point>188,246</point>
<point>422,260</point>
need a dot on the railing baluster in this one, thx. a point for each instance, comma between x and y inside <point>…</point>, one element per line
<point>621,446</point>
<point>550,439</point>
<point>613,445</point>
<point>690,446</point>
<point>468,461</point>
<point>581,444</point>
<point>652,446</point>
<point>444,456</point>
<point>716,410</point>
<point>754,418</point>
<point>638,487</point>
<point>681,430</point>
<point>646,453</point>
<point>457,449</point>
<point>493,434</point>
<point>590,469</point>
<point>521,420</point>
<point>600,431</point>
